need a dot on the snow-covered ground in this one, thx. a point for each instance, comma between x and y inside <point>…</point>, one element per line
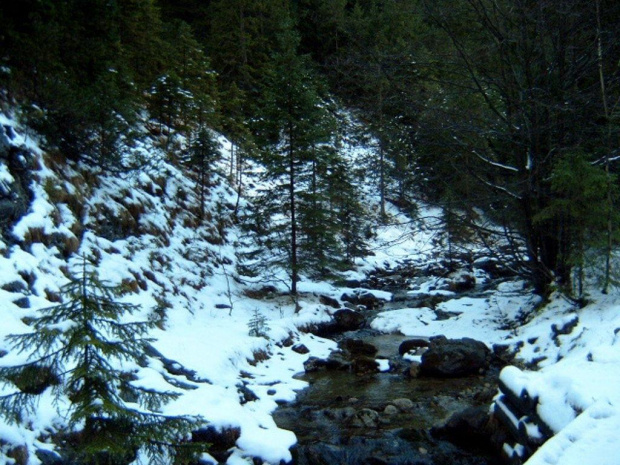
<point>206,329</point>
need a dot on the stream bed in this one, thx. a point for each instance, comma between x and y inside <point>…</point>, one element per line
<point>392,417</point>
<point>384,418</point>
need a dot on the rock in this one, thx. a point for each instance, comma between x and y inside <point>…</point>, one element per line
<point>414,370</point>
<point>262,292</point>
<point>493,268</point>
<point>365,418</point>
<point>441,315</point>
<point>364,366</point>
<point>16,195</point>
<point>329,301</point>
<point>412,344</point>
<point>348,320</point>
<point>361,297</point>
<point>246,394</point>
<point>404,405</point>
<point>313,364</point>
<point>344,320</point>
<point>300,349</point>
<point>467,428</point>
<point>565,328</point>
<point>358,347</point>
<point>334,362</point>
<point>390,410</point>
<point>503,351</point>
<point>220,440</point>
<point>461,281</point>
<point>339,414</point>
<point>454,357</point>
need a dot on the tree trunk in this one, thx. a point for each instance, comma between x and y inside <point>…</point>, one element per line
<point>291,155</point>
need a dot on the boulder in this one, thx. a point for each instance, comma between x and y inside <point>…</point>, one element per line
<point>300,349</point>
<point>365,418</point>
<point>334,362</point>
<point>221,440</point>
<point>343,320</point>
<point>364,366</point>
<point>15,195</point>
<point>339,414</point>
<point>454,357</point>
<point>329,301</point>
<point>361,297</point>
<point>461,281</point>
<point>468,428</point>
<point>390,410</point>
<point>403,404</point>
<point>412,345</point>
<point>357,347</point>
<point>348,320</point>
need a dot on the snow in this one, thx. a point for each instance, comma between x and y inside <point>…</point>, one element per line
<point>577,383</point>
<point>592,437</point>
<point>384,365</point>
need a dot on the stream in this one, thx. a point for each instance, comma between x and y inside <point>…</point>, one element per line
<point>388,417</point>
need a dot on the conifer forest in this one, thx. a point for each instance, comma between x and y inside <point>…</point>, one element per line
<point>195,194</point>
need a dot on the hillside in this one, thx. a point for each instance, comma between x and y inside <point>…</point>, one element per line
<point>142,231</point>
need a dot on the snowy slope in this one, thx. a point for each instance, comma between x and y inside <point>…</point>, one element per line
<point>144,232</point>
<point>143,228</point>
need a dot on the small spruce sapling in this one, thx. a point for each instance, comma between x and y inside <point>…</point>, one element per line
<point>258,325</point>
<point>85,351</point>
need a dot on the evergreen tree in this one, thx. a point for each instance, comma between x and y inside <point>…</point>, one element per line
<point>203,152</point>
<point>347,212</point>
<point>293,124</point>
<point>516,100</point>
<point>243,36</point>
<point>87,351</point>
<point>319,245</point>
<point>579,204</point>
<point>197,80</point>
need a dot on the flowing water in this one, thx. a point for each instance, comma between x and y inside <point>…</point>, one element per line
<point>346,418</point>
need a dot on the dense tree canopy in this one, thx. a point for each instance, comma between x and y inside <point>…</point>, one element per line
<point>479,105</point>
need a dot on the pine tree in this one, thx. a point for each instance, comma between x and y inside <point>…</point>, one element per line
<point>77,349</point>
<point>203,152</point>
<point>294,124</point>
<point>347,211</point>
<point>579,193</point>
<point>196,79</point>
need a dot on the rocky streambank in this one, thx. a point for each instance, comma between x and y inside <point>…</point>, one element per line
<point>390,399</point>
<point>363,410</point>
